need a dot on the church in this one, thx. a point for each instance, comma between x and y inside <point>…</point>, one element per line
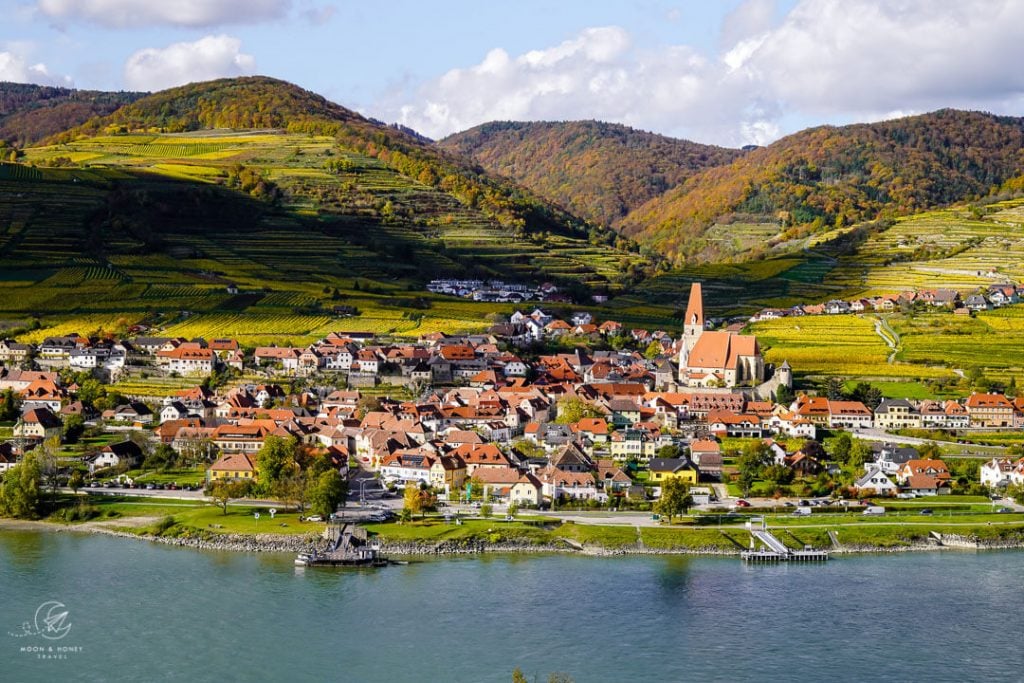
<point>716,359</point>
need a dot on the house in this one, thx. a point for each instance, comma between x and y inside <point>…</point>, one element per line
<point>875,482</point>
<point>889,458</point>
<point>527,490</point>
<point>996,472</point>
<point>929,467</point>
<point>173,410</point>
<point>13,352</point>
<point>707,456</point>
<point>448,473</point>
<point>663,469</point>
<point>977,302</point>
<point>38,424</point>
<point>943,415</point>
<point>989,410</point>
<point>849,415</point>
<point>134,412</point>
<point>232,466</point>
<point>125,454</point>
<point>402,467</point>
<point>897,413</point>
<point>187,359</point>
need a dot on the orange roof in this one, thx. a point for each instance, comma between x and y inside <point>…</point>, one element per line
<point>989,401</point>
<point>720,350</point>
<point>233,462</point>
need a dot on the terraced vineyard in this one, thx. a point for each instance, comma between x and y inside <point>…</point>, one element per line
<point>952,248</point>
<point>146,226</point>
<point>930,345</point>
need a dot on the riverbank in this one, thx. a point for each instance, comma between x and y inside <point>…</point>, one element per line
<point>671,541</point>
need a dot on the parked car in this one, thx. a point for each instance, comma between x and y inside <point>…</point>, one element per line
<point>1004,510</point>
<point>926,511</point>
<point>314,518</point>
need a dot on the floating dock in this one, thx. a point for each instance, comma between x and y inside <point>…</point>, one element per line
<point>774,550</point>
<point>349,547</point>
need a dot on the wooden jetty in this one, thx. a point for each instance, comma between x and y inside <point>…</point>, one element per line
<point>774,550</point>
<point>349,547</point>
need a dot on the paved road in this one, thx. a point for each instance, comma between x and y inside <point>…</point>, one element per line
<point>882,435</point>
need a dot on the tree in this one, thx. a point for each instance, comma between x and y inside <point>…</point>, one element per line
<point>860,453</point>
<point>840,448</point>
<point>294,489</point>
<point>275,460</point>
<point>329,492</point>
<point>518,676</point>
<point>653,350</point>
<point>412,501</point>
<point>835,388</point>
<point>19,496</point>
<point>162,458</point>
<point>367,404</point>
<point>784,395</point>
<point>486,510</point>
<point>47,454</point>
<point>76,481</point>
<point>675,498</point>
<point>225,490</point>
<point>867,394</point>
<point>10,406</point>
<point>573,409</point>
<point>74,427</point>
<point>668,451</point>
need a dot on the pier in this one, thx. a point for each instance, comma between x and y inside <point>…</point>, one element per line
<point>773,550</point>
<point>349,547</point>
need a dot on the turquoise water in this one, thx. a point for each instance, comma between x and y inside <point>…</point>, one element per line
<point>146,612</point>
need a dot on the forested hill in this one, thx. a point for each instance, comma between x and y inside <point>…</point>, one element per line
<point>600,171</point>
<point>241,103</point>
<point>29,113</point>
<point>834,176</point>
<point>259,102</point>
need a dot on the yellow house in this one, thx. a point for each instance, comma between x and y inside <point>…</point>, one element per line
<point>448,472</point>
<point>232,466</point>
<point>662,469</point>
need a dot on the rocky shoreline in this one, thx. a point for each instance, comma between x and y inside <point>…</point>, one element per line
<point>281,543</point>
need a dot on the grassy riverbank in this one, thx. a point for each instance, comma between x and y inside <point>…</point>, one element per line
<point>187,521</point>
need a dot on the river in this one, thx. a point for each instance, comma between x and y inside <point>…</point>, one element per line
<point>139,611</point>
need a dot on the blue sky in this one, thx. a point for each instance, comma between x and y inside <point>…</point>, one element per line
<point>729,72</point>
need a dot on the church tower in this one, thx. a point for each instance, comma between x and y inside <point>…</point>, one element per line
<point>693,327</point>
<point>693,323</point>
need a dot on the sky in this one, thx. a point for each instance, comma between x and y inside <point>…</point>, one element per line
<point>727,72</point>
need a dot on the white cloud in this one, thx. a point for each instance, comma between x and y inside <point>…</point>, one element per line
<point>824,61</point>
<point>16,68</point>
<point>189,13</point>
<point>207,58</point>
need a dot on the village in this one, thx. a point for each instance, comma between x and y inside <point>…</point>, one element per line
<point>488,418</point>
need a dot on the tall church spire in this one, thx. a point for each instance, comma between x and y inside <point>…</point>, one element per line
<point>695,307</point>
<point>693,323</point>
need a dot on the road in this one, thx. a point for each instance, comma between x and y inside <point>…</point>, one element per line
<point>882,435</point>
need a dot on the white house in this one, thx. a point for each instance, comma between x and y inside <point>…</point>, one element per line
<point>876,481</point>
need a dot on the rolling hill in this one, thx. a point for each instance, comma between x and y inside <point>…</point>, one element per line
<point>148,212</point>
<point>829,177</point>
<point>600,171</point>
<point>30,113</point>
